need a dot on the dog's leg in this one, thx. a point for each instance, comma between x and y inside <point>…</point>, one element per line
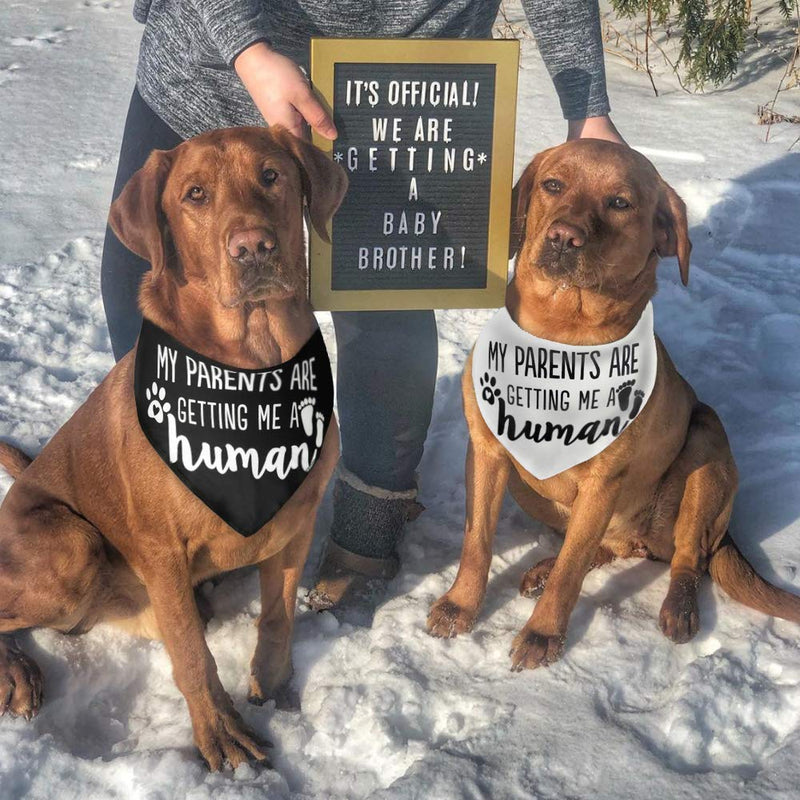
<point>51,567</point>
<point>703,515</point>
<point>271,667</point>
<point>535,579</point>
<point>487,474</point>
<point>541,641</point>
<point>219,732</point>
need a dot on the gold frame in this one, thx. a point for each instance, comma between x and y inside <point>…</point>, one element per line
<point>504,54</point>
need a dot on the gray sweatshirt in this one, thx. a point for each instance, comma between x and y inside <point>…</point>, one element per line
<point>185,71</point>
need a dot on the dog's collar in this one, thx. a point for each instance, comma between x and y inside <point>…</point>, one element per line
<point>642,325</point>
<point>555,405</point>
<point>152,334</point>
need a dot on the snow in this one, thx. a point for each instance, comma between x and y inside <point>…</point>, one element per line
<point>388,712</point>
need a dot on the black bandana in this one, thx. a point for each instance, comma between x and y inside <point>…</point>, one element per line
<point>242,440</point>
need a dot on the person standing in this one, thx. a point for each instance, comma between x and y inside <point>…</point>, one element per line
<point>206,64</point>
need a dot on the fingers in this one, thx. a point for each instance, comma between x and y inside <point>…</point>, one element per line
<point>287,116</point>
<point>281,92</point>
<point>314,114</point>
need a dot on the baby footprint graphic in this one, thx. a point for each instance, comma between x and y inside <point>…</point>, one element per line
<point>307,414</point>
<point>320,420</point>
<point>638,399</point>
<point>624,394</point>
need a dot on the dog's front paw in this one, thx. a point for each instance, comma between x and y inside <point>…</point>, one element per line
<point>680,617</point>
<point>286,697</point>
<point>273,683</point>
<point>531,649</point>
<point>20,683</point>
<point>535,579</point>
<point>222,738</point>
<point>271,673</point>
<point>447,619</point>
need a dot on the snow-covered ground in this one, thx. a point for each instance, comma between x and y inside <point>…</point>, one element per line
<point>387,711</point>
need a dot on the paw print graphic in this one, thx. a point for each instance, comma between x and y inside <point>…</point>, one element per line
<point>157,408</point>
<point>490,391</point>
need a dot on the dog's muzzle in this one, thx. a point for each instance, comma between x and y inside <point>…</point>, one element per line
<point>252,247</point>
<point>562,246</point>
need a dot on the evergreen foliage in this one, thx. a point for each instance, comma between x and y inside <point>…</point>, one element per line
<point>712,32</point>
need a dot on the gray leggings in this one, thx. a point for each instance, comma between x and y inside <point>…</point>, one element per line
<point>386,372</point>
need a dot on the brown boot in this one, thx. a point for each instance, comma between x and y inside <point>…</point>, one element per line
<point>344,577</point>
<point>361,556</point>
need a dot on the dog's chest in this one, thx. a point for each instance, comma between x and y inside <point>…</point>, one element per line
<point>217,548</point>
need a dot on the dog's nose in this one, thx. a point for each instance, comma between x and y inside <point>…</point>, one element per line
<point>564,236</point>
<point>250,244</point>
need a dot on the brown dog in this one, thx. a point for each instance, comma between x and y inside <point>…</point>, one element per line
<point>592,220</point>
<point>97,527</point>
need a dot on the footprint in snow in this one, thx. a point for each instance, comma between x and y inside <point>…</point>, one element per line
<point>39,40</point>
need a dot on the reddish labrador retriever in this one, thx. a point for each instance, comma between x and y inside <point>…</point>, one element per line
<point>592,220</point>
<point>97,527</point>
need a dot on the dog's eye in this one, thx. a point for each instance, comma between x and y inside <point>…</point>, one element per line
<point>552,186</point>
<point>197,194</point>
<point>618,203</point>
<point>269,176</point>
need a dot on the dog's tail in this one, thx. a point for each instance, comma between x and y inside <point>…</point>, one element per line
<point>13,460</point>
<point>730,569</point>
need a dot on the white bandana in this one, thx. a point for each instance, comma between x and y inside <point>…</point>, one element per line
<point>554,405</point>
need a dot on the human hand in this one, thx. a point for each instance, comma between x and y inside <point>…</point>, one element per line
<point>594,128</point>
<point>281,91</point>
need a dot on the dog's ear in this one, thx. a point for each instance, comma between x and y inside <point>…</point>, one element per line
<point>520,200</point>
<point>136,216</point>
<point>324,181</point>
<point>672,229</point>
